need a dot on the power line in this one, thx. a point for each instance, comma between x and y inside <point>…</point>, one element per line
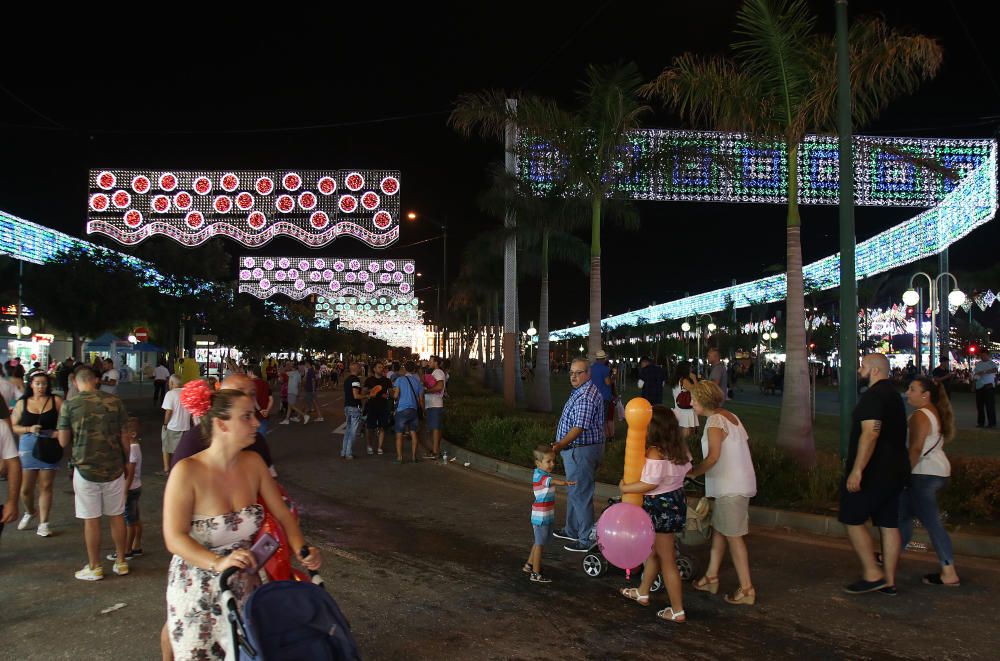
<point>30,107</point>
<point>567,43</point>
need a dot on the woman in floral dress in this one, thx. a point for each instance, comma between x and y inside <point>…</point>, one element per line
<point>211,516</point>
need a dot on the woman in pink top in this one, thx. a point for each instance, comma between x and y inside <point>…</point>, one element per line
<point>662,489</point>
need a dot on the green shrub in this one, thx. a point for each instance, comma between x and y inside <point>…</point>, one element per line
<point>973,493</point>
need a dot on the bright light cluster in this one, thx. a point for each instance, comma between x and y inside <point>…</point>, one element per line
<point>248,206</point>
<point>298,277</point>
<point>391,319</point>
<point>967,206</point>
<point>706,166</point>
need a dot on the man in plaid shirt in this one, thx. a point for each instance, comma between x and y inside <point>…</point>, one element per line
<point>580,442</point>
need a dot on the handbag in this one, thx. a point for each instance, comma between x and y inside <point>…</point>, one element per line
<point>47,449</point>
<point>684,400</point>
<point>619,410</point>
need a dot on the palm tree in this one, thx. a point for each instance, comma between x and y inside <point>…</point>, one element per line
<point>780,83</point>
<point>588,143</point>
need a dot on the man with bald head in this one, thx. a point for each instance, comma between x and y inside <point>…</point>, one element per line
<point>192,442</point>
<point>878,468</point>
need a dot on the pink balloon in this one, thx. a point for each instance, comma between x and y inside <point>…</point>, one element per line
<point>625,535</point>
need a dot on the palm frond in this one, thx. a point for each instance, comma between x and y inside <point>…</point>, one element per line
<point>486,111</point>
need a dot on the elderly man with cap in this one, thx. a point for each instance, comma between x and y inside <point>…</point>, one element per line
<point>600,376</point>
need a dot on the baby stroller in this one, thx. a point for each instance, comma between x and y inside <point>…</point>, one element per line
<point>288,621</point>
<point>697,531</point>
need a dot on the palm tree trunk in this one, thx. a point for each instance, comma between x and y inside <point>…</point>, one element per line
<point>594,340</point>
<point>482,355</point>
<point>543,391</point>
<point>795,425</point>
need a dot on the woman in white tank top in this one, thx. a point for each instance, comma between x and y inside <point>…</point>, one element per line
<point>930,426</point>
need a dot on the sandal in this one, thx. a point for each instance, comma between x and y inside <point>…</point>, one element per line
<point>527,568</point>
<point>935,579</point>
<point>708,584</point>
<point>678,617</point>
<point>633,594</point>
<point>742,596</point>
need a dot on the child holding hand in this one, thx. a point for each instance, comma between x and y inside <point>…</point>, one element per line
<point>543,511</point>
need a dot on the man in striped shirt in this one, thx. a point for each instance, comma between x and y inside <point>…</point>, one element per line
<point>580,442</point>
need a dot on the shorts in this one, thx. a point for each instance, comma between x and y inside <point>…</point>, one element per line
<point>434,417</point>
<point>879,503</point>
<point>25,451</point>
<point>541,533</point>
<point>406,420</point>
<point>309,399</point>
<point>377,419</point>
<point>668,511</point>
<point>292,398</point>
<point>94,499</point>
<point>132,507</point>
<point>731,516</point>
<point>170,440</point>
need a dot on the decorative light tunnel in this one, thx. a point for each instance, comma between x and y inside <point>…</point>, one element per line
<point>248,206</point>
<point>721,167</point>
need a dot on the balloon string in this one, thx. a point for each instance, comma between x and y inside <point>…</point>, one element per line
<point>628,574</point>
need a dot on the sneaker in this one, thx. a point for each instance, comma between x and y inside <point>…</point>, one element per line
<point>89,573</point>
<point>430,456</point>
<point>295,419</point>
<point>862,586</point>
<point>370,452</point>
<point>113,557</point>
<point>320,419</point>
<point>120,568</point>
<point>562,534</point>
<point>889,590</point>
<point>134,553</point>
<point>380,451</point>
<point>284,422</point>
<point>577,547</point>
<point>25,521</point>
<point>538,578</point>
<point>306,421</point>
<point>43,530</point>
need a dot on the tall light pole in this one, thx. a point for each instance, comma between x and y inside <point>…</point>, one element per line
<point>442,321</point>
<point>686,327</point>
<point>955,297</point>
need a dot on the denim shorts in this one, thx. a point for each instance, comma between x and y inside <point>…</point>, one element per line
<point>434,417</point>
<point>132,507</point>
<point>406,420</point>
<point>541,533</point>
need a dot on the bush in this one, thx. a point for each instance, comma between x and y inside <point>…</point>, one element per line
<point>973,494</point>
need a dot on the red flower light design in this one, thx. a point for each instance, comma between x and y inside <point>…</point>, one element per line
<point>319,220</point>
<point>256,220</point>
<point>284,203</point>
<point>348,203</point>
<point>183,200</point>
<point>223,204</point>
<point>99,202</point>
<point>355,181</point>
<point>203,185</point>
<point>140,184</point>
<point>307,200</point>
<point>370,201</point>
<point>244,201</point>
<point>194,219</point>
<point>106,180</point>
<point>382,220</point>
<point>160,204</point>
<point>264,185</point>
<point>291,181</point>
<point>168,181</point>
<point>390,185</point>
<point>121,199</point>
<point>230,182</point>
<point>327,185</point>
<point>133,218</point>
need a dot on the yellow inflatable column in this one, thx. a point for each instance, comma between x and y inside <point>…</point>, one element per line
<point>638,413</point>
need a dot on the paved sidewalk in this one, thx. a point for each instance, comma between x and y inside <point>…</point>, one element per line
<point>425,560</point>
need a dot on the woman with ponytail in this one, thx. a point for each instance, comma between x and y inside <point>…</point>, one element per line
<point>930,426</point>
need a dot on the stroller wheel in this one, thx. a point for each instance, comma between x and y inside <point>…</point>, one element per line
<point>685,566</point>
<point>657,582</point>
<point>594,565</point>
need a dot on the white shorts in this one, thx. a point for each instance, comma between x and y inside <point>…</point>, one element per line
<point>94,499</point>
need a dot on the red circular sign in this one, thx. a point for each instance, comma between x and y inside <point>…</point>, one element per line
<point>141,334</point>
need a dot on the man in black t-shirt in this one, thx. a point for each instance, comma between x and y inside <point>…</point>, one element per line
<point>353,398</point>
<point>878,468</point>
<point>378,388</point>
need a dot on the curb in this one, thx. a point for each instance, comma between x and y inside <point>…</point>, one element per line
<point>983,546</point>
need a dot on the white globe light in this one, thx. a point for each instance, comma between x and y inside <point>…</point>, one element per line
<point>774,335</point>
<point>581,348</point>
<point>956,297</point>
<point>685,327</point>
<point>132,339</point>
<point>711,327</point>
<point>911,297</point>
<point>12,329</point>
<point>26,330</point>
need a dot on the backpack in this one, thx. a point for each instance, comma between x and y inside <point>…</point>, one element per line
<point>292,620</point>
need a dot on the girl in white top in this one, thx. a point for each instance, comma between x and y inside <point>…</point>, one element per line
<point>684,382</point>
<point>930,426</point>
<point>730,479</point>
<point>662,486</point>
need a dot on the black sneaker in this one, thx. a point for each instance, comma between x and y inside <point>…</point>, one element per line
<point>538,578</point>
<point>889,590</point>
<point>863,586</point>
<point>562,534</point>
<point>577,547</point>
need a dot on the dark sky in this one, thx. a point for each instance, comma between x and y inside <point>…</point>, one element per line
<point>189,91</point>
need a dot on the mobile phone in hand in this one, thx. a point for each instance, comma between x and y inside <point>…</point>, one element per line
<point>262,550</point>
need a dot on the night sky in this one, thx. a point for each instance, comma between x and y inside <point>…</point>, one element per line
<point>190,91</point>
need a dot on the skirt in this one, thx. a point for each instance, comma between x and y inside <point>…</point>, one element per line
<point>25,446</point>
<point>668,511</point>
<point>686,418</point>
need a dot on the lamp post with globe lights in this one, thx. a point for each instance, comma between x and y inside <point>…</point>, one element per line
<point>912,296</point>
<point>531,333</point>
<point>686,327</point>
<point>412,216</point>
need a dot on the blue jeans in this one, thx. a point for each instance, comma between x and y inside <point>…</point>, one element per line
<point>581,463</point>
<point>353,423</point>
<point>920,500</point>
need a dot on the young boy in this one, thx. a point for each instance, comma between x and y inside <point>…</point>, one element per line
<point>543,511</point>
<point>133,486</point>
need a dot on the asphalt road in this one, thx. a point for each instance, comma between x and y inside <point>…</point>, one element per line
<point>426,562</point>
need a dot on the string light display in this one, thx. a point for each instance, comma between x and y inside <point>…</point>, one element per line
<point>706,166</point>
<point>298,277</point>
<point>248,206</point>
<point>963,208</point>
<point>392,319</point>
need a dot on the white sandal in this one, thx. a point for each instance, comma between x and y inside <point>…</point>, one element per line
<point>674,617</point>
<point>633,595</point>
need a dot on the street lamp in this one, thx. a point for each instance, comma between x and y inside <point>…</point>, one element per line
<point>13,330</point>
<point>443,226</point>
<point>531,333</point>
<point>914,296</point>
